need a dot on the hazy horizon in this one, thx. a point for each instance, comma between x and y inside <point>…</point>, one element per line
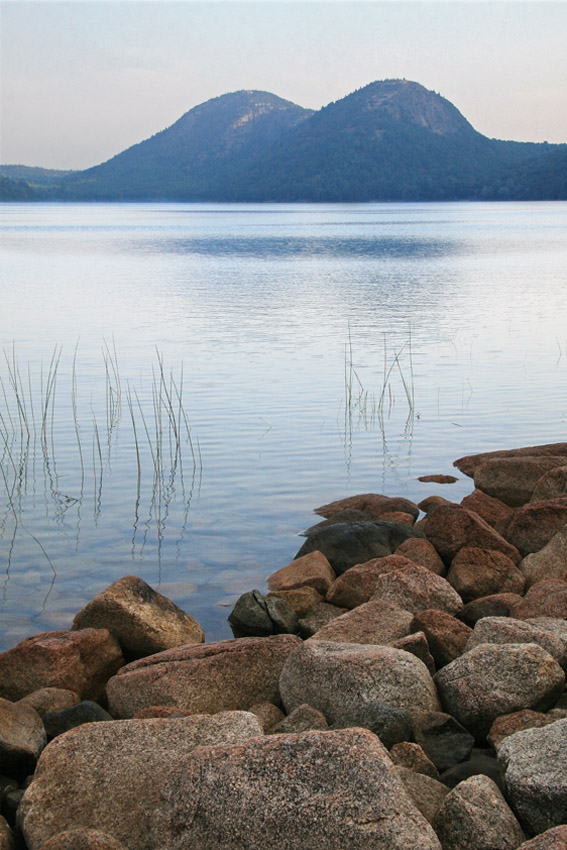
<point>82,81</point>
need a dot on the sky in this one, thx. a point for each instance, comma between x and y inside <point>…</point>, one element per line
<point>80,81</point>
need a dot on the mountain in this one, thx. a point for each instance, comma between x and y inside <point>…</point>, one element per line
<point>391,140</point>
<point>15,190</point>
<point>38,177</point>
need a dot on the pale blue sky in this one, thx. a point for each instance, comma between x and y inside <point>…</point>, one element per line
<point>81,81</point>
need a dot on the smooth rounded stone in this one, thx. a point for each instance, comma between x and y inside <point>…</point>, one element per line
<point>50,699</point>
<point>343,680</point>
<point>301,599</point>
<point>422,552</point>
<point>446,636</point>
<point>508,724</point>
<point>431,502</point>
<point>476,572</point>
<point>22,737</point>
<point>534,524</point>
<point>372,503</point>
<point>410,755</point>
<point>513,479</point>
<point>310,570</point>
<point>469,463</point>
<point>7,840</point>
<point>141,619</point>
<point>475,816</point>
<point>416,589</point>
<point>479,764</point>
<point>450,527</point>
<point>79,661</point>
<point>303,719</point>
<point>549,563</point>
<point>502,630</point>
<point>318,617</point>
<point>372,623</point>
<point>348,544</point>
<point>57,722</point>
<point>553,625</point>
<point>221,676</point>
<point>332,789</point>
<point>427,793</point>
<point>267,713</point>
<point>535,780</point>
<point>491,510</point>
<point>491,680</point>
<point>442,738</point>
<point>256,615</point>
<point>357,585</point>
<point>551,839</point>
<point>495,605</point>
<point>544,599</point>
<point>551,485</point>
<point>417,645</point>
<point>83,839</point>
<point>108,776</point>
<point>438,479</point>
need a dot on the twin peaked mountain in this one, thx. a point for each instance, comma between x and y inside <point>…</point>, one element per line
<point>391,140</point>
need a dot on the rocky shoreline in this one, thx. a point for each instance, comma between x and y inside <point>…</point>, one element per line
<point>401,685</point>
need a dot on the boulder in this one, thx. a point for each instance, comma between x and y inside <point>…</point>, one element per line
<point>311,570</point>
<point>83,839</point>
<point>551,485</point>
<point>431,502</point>
<point>301,599</point>
<point>551,839</point>
<point>302,719</point>
<point>422,552</point>
<point>345,681</point>
<point>50,699</point>
<point>108,776</point>
<point>544,599</point>
<point>502,630</point>
<point>412,756</point>
<point>450,527</point>
<point>475,816</point>
<point>221,676</point>
<point>22,738</point>
<point>469,463</point>
<point>415,589</point>
<point>476,572</point>
<point>79,661</point>
<point>417,645</point>
<point>549,563</point>
<point>256,615</point>
<point>437,479</point>
<point>57,722</point>
<point>267,713</point>
<point>348,544</point>
<point>7,840</point>
<point>358,584</point>
<point>495,605</point>
<point>553,625</point>
<point>141,619</point>
<point>427,793</point>
<point>535,779</point>
<point>512,479</point>
<point>481,763</point>
<point>446,636</point>
<point>371,503</point>
<point>399,517</point>
<point>443,740</point>
<point>372,623</point>
<point>492,510</point>
<point>491,680</point>
<point>332,789</point>
<point>508,724</point>
<point>534,524</point>
<point>318,617</point>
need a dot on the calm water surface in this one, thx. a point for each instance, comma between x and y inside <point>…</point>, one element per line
<point>183,384</point>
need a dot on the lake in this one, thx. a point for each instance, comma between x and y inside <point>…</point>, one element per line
<point>182,384</point>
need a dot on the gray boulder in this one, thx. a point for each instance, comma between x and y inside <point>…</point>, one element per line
<point>314,790</point>
<point>22,737</point>
<point>108,776</point>
<point>345,681</point>
<point>475,816</point>
<point>549,563</point>
<point>502,630</point>
<point>427,793</point>
<point>491,680</point>
<point>551,839</point>
<point>375,622</point>
<point>533,763</point>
